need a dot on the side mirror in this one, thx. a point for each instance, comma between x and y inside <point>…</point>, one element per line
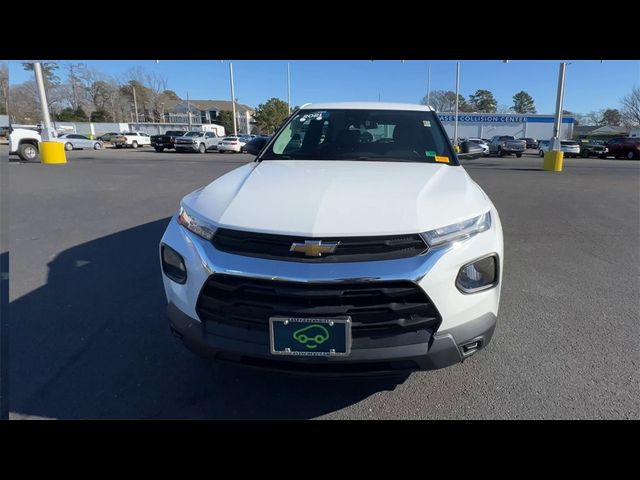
<point>255,146</point>
<point>469,150</point>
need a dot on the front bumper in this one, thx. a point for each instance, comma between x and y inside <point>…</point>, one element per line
<point>446,348</point>
<point>465,318</point>
<point>186,147</point>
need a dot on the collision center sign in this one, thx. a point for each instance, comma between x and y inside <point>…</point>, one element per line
<point>497,118</point>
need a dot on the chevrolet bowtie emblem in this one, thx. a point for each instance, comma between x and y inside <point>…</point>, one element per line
<point>313,248</point>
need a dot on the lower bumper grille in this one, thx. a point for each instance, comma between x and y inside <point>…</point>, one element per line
<point>376,308</point>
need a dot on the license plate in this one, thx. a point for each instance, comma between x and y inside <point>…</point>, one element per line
<point>310,336</point>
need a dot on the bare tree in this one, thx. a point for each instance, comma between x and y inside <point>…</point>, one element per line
<point>631,108</point>
<point>24,102</point>
<point>4,88</point>
<point>157,85</point>
<point>445,101</point>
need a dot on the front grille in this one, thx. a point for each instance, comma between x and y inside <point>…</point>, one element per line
<point>350,249</point>
<point>376,308</point>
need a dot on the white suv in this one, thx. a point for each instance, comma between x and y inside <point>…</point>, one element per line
<point>354,243</point>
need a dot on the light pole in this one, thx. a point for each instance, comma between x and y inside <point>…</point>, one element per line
<point>553,159</point>
<point>289,86</point>
<point>557,126</point>
<point>189,111</point>
<point>233,100</point>
<point>47,133</point>
<point>429,86</point>
<point>455,125</point>
<point>135,103</point>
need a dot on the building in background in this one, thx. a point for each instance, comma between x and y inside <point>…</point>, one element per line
<point>206,111</point>
<point>486,125</point>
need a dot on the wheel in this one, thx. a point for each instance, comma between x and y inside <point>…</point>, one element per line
<point>68,147</point>
<point>500,152</point>
<point>159,149</point>
<point>541,154</point>
<point>202,148</point>
<point>97,146</point>
<point>118,145</point>
<point>632,155</point>
<point>27,152</point>
<point>585,154</point>
<point>518,155</point>
<point>134,144</point>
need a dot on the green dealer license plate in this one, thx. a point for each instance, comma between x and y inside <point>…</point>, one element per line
<point>310,336</point>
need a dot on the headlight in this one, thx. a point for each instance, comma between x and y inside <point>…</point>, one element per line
<point>195,224</point>
<point>457,231</point>
<point>478,275</point>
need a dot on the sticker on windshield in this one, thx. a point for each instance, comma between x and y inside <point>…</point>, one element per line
<point>426,123</point>
<point>430,153</point>
<point>442,159</point>
<point>314,116</point>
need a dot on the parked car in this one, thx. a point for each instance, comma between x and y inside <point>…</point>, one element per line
<point>339,255</point>
<point>195,141</point>
<point>131,139</point>
<point>256,144</point>
<point>108,136</point>
<point>570,148</point>
<point>626,147</point>
<point>168,140</point>
<point>593,148</point>
<point>481,143</point>
<point>502,145</point>
<point>531,142</point>
<point>230,144</point>
<point>75,141</point>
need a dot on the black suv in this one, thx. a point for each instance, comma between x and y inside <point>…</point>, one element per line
<point>593,148</point>
<point>531,142</point>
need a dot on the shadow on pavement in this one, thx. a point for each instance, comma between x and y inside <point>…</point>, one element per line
<point>94,342</point>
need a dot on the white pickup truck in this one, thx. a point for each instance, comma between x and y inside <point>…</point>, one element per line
<point>131,139</point>
<point>198,142</point>
<point>24,143</point>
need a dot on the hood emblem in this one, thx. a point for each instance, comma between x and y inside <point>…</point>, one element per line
<point>313,248</point>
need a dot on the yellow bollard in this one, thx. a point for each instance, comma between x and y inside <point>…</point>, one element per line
<point>52,152</point>
<point>553,161</point>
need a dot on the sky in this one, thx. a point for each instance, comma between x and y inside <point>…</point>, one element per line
<point>591,85</point>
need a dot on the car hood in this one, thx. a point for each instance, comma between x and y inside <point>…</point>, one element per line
<point>334,198</point>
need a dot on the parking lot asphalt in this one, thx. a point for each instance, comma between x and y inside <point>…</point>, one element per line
<point>89,338</point>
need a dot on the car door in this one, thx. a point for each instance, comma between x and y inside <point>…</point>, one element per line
<point>209,139</point>
<point>80,141</point>
<point>145,139</point>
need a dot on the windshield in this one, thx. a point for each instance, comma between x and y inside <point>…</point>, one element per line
<point>384,135</point>
<point>192,134</point>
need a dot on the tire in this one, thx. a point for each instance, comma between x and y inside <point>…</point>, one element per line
<point>134,144</point>
<point>202,148</point>
<point>518,155</point>
<point>27,152</point>
<point>68,147</point>
<point>500,152</point>
<point>585,154</point>
<point>632,155</point>
<point>159,149</point>
<point>541,154</point>
<point>97,146</point>
<point>118,145</point>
